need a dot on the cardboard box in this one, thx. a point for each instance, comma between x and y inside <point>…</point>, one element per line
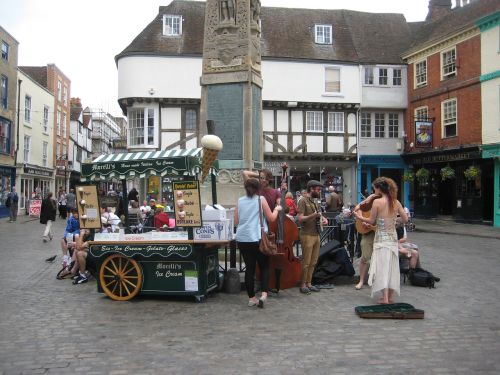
<point>211,214</point>
<point>214,230</point>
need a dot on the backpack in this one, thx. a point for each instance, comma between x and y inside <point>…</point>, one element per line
<point>421,277</point>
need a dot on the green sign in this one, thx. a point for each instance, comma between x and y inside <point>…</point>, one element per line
<point>140,166</point>
<point>181,276</point>
<point>146,250</point>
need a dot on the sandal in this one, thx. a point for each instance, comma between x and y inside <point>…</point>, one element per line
<point>63,273</point>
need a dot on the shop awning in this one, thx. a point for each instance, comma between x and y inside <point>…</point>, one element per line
<point>144,164</point>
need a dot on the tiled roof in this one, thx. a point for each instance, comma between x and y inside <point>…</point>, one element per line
<point>37,73</point>
<point>287,33</point>
<point>458,19</point>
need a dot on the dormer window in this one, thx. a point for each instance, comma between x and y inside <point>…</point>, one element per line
<point>323,34</point>
<point>172,25</point>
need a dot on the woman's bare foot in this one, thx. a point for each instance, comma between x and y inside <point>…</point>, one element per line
<point>382,301</point>
<point>359,285</point>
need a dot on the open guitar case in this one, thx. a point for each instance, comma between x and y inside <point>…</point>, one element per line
<point>390,311</point>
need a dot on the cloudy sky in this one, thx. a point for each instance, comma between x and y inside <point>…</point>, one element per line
<point>82,37</point>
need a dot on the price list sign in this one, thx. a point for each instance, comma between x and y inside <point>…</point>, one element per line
<point>88,207</point>
<point>187,203</point>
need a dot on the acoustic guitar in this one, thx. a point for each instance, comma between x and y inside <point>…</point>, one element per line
<point>360,228</point>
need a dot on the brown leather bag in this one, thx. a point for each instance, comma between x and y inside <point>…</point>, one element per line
<point>267,245</point>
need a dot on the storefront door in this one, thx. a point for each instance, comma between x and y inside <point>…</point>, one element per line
<point>446,197</point>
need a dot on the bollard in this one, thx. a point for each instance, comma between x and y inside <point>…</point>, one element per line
<point>232,281</point>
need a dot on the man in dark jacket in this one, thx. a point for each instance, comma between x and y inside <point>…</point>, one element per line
<point>48,216</point>
<point>13,204</point>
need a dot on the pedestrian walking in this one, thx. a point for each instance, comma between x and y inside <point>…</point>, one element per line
<point>71,200</point>
<point>63,202</point>
<point>13,203</point>
<point>48,216</point>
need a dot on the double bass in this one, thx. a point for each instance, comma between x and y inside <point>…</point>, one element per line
<point>285,268</point>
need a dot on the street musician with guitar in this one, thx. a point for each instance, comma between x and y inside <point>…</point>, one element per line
<point>311,220</point>
<point>367,232</point>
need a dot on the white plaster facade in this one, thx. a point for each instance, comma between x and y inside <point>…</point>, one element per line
<point>81,142</point>
<point>35,157</point>
<point>490,85</point>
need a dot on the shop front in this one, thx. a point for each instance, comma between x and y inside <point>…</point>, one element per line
<point>492,152</point>
<point>7,180</point>
<point>33,183</point>
<point>372,166</point>
<point>455,184</point>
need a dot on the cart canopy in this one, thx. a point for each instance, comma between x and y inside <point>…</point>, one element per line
<point>144,164</point>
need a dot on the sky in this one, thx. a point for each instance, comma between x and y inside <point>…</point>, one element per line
<point>83,37</point>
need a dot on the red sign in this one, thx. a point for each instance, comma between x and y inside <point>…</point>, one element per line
<point>35,207</point>
<point>61,162</point>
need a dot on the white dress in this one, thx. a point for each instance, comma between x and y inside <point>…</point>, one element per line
<point>384,265</point>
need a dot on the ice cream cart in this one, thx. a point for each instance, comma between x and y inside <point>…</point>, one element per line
<point>181,262</point>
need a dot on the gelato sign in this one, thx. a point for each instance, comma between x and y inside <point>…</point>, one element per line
<point>146,250</point>
<point>187,203</point>
<point>137,166</point>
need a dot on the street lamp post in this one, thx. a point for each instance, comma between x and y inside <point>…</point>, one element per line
<point>62,163</point>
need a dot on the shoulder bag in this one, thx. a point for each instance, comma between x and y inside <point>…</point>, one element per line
<point>267,245</point>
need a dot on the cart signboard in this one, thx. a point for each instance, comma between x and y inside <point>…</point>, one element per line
<point>187,205</point>
<point>178,276</point>
<point>143,249</point>
<point>35,207</point>
<point>88,207</point>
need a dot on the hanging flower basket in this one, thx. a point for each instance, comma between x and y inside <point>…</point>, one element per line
<point>447,173</point>
<point>422,175</point>
<point>408,176</point>
<point>472,172</point>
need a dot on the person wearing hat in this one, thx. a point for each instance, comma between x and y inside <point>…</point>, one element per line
<point>309,216</point>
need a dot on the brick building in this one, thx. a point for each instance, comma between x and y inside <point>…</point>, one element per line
<point>443,121</point>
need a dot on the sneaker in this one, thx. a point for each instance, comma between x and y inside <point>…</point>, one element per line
<point>80,280</point>
<point>312,288</point>
<point>305,290</point>
<point>75,277</point>
<point>252,303</point>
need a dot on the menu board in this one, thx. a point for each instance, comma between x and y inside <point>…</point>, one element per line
<point>35,207</point>
<point>187,203</point>
<point>88,207</point>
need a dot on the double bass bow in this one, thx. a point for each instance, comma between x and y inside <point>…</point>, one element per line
<point>284,268</point>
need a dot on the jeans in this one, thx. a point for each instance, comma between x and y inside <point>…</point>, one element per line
<point>13,212</point>
<point>252,256</point>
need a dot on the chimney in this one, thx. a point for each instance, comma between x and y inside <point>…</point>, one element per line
<point>438,9</point>
<point>76,102</point>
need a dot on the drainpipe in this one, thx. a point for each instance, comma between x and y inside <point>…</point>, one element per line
<point>19,81</point>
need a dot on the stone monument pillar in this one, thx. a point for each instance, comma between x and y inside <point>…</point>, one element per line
<point>231,93</point>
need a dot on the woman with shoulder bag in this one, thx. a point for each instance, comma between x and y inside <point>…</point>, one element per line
<point>248,236</point>
<point>48,213</point>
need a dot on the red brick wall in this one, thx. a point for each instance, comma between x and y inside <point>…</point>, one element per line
<point>465,87</point>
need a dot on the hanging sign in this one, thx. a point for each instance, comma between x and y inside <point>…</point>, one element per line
<point>423,134</point>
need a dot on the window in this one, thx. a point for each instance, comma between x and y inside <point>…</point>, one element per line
<point>314,121</point>
<point>393,125</point>
<point>5,51</point>
<point>332,80</point>
<point>366,125</point>
<point>45,119</point>
<point>335,122</point>
<point>396,77</point>
<point>5,126</point>
<point>421,114</point>
<point>448,63</point>
<point>27,147</point>
<point>58,151</point>
<point>4,91</point>
<point>65,95</point>
<point>64,154</point>
<point>27,108</point>
<point>368,75</point>
<point>421,73</point>
<point>63,125</point>
<point>323,34</point>
<point>45,148</point>
<point>449,109</point>
<point>379,125</point>
<point>172,25</point>
<point>191,119</point>
<point>382,76</point>
<point>79,154</point>
<point>59,88</point>
<point>141,127</point>
<point>58,123</point>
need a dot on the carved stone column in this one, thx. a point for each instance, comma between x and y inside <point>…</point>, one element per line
<point>231,92</point>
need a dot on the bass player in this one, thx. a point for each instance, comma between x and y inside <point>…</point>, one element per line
<point>367,236</point>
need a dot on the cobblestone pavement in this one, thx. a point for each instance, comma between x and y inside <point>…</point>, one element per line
<point>50,326</point>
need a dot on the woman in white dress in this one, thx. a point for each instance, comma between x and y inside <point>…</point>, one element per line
<point>384,268</point>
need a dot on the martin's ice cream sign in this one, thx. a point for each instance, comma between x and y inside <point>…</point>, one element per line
<point>214,231</point>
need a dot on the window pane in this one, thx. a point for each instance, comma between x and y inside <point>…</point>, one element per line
<point>396,77</point>
<point>368,75</point>
<point>336,122</point>
<point>314,121</point>
<point>191,120</point>
<point>421,114</point>
<point>4,135</point>
<point>421,73</point>
<point>151,126</point>
<point>332,76</point>
<point>382,76</point>
<point>449,64</point>
<point>393,125</point>
<point>366,124</point>
<point>4,91</point>
<point>27,109</point>
<point>379,125</point>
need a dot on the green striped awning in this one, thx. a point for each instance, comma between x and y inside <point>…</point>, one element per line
<point>144,164</point>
